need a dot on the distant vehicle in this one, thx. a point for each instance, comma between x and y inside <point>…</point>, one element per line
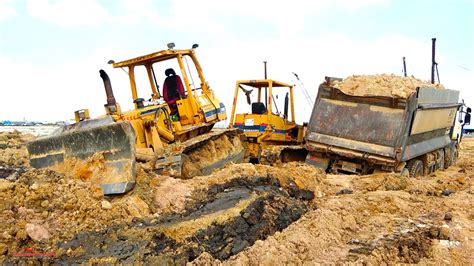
<point>468,131</point>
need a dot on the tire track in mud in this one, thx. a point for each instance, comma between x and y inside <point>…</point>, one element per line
<point>409,244</point>
<point>221,220</point>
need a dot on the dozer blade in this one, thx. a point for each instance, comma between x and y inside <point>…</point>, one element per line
<point>103,154</point>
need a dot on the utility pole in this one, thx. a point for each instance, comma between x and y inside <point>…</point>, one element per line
<point>404,67</point>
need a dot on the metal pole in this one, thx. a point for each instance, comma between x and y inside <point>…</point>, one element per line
<point>433,61</point>
<point>265,74</point>
<point>404,67</point>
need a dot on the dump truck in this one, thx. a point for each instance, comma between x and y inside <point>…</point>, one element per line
<point>167,130</point>
<point>271,136</point>
<point>412,134</point>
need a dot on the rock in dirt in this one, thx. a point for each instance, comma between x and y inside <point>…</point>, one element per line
<point>6,185</point>
<point>106,205</point>
<point>3,249</point>
<point>37,232</point>
<point>12,177</point>
<point>136,207</point>
<point>344,191</point>
<point>444,233</point>
<point>34,186</point>
<point>171,194</point>
<point>447,192</point>
<point>448,216</point>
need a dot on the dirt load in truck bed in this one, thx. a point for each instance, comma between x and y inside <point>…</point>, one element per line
<point>382,85</point>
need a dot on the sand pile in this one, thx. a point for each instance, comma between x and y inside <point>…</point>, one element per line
<point>206,155</point>
<point>61,206</point>
<point>12,148</point>
<point>382,85</point>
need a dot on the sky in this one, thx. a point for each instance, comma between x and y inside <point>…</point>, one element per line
<point>51,51</point>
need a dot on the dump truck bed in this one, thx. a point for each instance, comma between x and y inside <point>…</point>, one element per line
<point>381,130</point>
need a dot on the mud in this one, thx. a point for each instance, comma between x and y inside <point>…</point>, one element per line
<point>382,85</point>
<point>233,217</point>
<point>386,220</point>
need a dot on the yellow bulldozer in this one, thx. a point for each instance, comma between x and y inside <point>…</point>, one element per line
<point>169,130</point>
<point>271,137</point>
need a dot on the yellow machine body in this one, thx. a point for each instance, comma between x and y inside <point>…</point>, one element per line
<point>147,132</point>
<point>198,112</point>
<point>262,127</point>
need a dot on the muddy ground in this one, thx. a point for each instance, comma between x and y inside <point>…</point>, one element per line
<point>243,214</point>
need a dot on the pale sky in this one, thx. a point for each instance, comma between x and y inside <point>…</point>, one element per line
<point>51,51</point>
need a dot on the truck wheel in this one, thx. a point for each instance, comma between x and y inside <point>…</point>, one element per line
<point>440,159</point>
<point>455,156</point>
<point>415,168</point>
<point>448,155</point>
<point>405,172</point>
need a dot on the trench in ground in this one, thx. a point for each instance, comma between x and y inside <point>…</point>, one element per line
<point>222,220</point>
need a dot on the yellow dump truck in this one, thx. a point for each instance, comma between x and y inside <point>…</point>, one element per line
<point>414,135</point>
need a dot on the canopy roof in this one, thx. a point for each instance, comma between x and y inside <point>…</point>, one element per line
<point>152,58</point>
<point>262,83</point>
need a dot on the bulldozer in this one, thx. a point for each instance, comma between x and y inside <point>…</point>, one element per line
<point>167,131</point>
<point>270,137</point>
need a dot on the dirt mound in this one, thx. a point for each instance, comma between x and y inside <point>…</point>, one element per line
<point>12,148</point>
<point>382,85</point>
<point>171,194</point>
<point>222,220</point>
<point>44,209</point>
<point>63,206</point>
<point>213,151</point>
<point>379,219</point>
<point>243,214</point>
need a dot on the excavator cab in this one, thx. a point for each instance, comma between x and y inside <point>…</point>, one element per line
<point>265,126</point>
<point>159,130</point>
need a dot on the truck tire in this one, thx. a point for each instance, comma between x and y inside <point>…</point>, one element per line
<point>448,154</point>
<point>440,160</point>
<point>455,156</point>
<point>415,168</point>
<point>405,172</point>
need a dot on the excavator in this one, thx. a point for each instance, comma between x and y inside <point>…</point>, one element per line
<point>172,131</point>
<point>270,137</point>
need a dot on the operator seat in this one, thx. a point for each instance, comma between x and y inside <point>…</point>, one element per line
<point>258,108</point>
<point>173,88</point>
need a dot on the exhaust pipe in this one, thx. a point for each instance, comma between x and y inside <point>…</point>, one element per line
<point>433,60</point>
<point>108,88</point>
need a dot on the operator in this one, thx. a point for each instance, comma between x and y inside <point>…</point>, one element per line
<point>173,89</point>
